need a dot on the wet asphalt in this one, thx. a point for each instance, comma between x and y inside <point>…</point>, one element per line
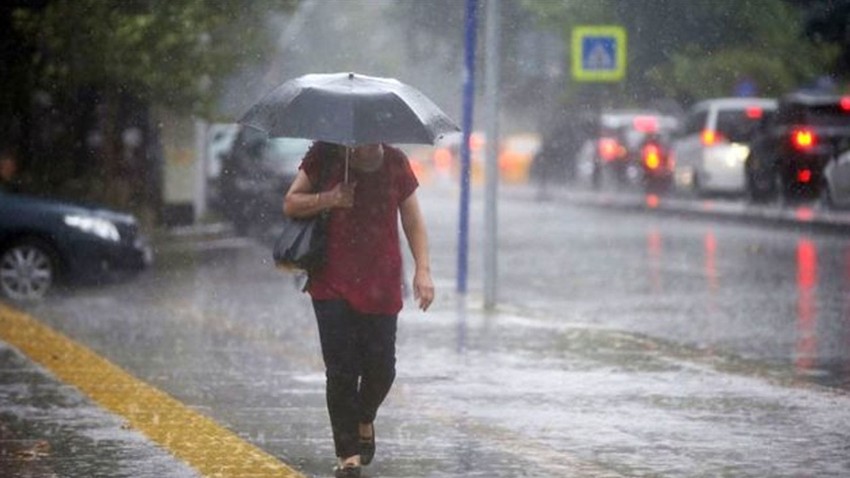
<point>625,343</point>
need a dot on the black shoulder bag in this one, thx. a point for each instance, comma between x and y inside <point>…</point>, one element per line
<point>303,242</point>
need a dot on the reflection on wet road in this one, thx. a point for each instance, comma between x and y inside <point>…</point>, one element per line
<point>807,340</point>
<point>824,359</point>
<point>759,292</point>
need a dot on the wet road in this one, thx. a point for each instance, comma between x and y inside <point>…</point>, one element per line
<point>767,293</point>
<point>624,345</point>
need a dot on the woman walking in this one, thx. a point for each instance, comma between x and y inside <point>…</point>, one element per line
<point>357,293</point>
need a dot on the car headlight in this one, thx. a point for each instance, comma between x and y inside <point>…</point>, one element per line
<point>94,225</point>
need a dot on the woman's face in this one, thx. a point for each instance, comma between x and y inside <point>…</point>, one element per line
<point>367,151</point>
<point>366,156</point>
<point>8,168</point>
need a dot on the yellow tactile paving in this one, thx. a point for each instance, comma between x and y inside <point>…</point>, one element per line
<point>199,441</point>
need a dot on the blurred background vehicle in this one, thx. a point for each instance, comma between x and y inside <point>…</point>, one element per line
<point>219,143</point>
<point>836,187</point>
<point>790,149</point>
<point>563,139</point>
<point>614,149</point>
<point>515,156</point>
<point>709,153</point>
<point>656,165</point>
<point>516,153</point>
<point>46,241</point>
<point>255,176</point>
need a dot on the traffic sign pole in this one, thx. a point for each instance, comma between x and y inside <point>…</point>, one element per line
<point>471,25</point>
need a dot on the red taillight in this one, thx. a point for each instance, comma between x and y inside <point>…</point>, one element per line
<point>442,159</point>
<point>652,156</point>
<point>845,103</point>
<point>610,149</point>
<point>803,139</point>
<point>711,137</point>
<point>804,175</point>
<point>754,112</point>
<point>645,124</point>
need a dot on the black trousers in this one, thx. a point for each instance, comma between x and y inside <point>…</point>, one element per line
<point>359,354</point>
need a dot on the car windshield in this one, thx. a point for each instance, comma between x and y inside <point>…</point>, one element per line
<point>739,125</point>
<point>827,115</point>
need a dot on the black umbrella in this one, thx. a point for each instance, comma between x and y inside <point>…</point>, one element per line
<point>349,109</point>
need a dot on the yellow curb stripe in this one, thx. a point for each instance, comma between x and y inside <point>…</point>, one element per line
<point>199,441</point>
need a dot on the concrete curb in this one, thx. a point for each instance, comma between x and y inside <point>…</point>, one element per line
<point>806,217</point>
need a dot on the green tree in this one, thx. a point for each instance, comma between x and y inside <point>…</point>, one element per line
<point>166,51</point>
<point>91,69</point>
<point>700,48</point>
<point>827,22</point>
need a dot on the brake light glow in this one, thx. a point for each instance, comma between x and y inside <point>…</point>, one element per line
<point>803,139</point>
<point>711,137</point>
<point>651,156</point>
<point>845,103</point>
<point>610,149</point>
<point>652,201</point>
<point>476,141</point>
<point>804,175</point>
<point>646,124</point>
<point>754,112</point>
<point>443,160</point>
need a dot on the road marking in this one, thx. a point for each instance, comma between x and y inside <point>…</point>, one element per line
<point>199,441</point>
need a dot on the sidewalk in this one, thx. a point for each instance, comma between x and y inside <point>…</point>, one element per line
<point>49,429</point>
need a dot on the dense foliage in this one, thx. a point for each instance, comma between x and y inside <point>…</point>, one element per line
<point>689,50</point>
<point>81,73</point>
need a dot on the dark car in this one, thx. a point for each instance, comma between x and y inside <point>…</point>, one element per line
<point>790,149</point>
<point>618,146</point>
<point>255,177</point>
<point>656,165</point>
<point>45,241</point>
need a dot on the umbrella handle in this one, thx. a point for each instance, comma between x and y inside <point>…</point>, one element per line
<point>347,153</point>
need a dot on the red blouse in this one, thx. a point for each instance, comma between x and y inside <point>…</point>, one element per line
<point>363,265</point>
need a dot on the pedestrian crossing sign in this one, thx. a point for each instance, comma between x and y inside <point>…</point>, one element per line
<point>599,53</point>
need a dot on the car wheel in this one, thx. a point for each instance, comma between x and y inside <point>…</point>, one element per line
<point>27,270</point>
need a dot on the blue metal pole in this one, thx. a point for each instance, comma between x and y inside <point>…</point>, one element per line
<point>471,25</point>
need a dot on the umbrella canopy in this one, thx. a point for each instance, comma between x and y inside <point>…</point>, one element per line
<point>349,109</point>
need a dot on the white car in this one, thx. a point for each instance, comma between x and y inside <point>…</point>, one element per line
<point>837,181</point>
<point>710,151</point>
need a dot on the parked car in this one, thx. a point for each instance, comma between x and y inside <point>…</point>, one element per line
<point>710,151</point>
<point>256,175</point>
<point>46,241</point>
<point>616,148</point>
<point>791,149</point>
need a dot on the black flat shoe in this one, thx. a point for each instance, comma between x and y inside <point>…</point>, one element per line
<point>347,472</point>
<point>367,448</point>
